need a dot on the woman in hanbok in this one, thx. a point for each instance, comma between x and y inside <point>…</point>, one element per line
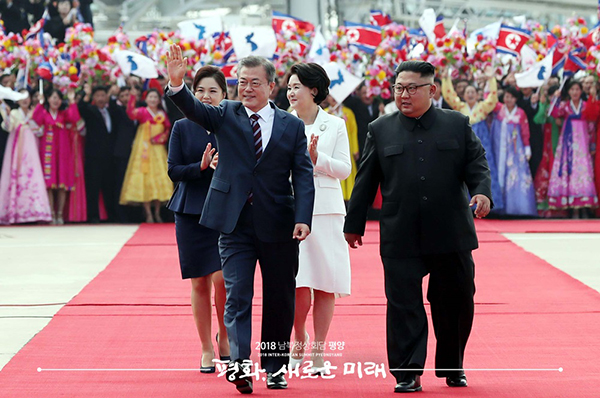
<point>591,112</point>
<point>58,163</point>
<point>477,111</point>
<point>23,196</point>
<point>572,180</point>
<point>346,113</point>
<point>77,200</point>
<point>510,144</point>
<point>146,180</point>
<point>551,134</point>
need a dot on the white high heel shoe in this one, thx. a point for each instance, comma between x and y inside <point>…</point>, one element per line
<point>295,363</point>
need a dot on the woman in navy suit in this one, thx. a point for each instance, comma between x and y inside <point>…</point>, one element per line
<point>191,149</point>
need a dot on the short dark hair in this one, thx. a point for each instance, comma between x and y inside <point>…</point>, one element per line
<point>99,88</point>
<point>552,89</point>
<point>425,69</point>
<point>437,80</point>
<point>123,89</point>
<point>512,91</point>
<point>253,61</point>
<point>313,75</point>
<point>210,71</point>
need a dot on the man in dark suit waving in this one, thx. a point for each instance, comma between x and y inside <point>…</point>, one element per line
<point>427,160</point>
<point>250,201</point>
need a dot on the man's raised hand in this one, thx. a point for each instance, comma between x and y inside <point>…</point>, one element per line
<point>176,65</point>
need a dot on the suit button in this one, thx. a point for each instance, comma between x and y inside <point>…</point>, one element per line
<point>424,197</point>
<point>420,141</point>
<point>421,160</point>
<point>254,173</point>
<point>422,178</point>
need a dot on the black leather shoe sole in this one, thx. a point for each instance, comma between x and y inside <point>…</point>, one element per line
<point>413,386</point>
<point>456,381</point>
<point>277,386</point>
<point>244,385</point>
<point>407,389</point>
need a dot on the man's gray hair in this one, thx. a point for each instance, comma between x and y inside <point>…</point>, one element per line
<point>253,61</point>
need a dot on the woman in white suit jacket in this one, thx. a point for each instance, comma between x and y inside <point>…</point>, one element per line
<point>324,270</point>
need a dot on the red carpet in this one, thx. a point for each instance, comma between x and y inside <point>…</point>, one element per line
<point>136,315</point>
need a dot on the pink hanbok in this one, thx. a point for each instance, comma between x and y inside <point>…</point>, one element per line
<point>58,163</point>
<point>23,196</point>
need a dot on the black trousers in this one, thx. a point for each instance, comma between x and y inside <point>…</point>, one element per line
<point>239,252</point>
<point>450,294</point>
<point>99,177</point>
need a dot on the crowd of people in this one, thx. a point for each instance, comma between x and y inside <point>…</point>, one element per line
<point>20,15</point>
<point>104,148</point>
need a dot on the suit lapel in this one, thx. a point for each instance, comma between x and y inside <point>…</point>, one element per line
<point>280,121</point>
<point>246,128</point>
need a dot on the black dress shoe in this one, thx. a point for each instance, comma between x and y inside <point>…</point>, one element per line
<point>239,373</point>
<point>276,382</point>
<point>412,384</point>
<point>457,381</point>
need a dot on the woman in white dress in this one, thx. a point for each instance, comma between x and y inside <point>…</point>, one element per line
<point>324,267</point>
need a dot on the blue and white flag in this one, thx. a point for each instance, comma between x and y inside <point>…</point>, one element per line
<point>537,74</point>
<point>253,40</point>
<point>427,22</point>
<point>343,83</point>
<point>136,64</point>
<point>202,28</point>
<point>488,31</point>
<point>6,93</point>
<point>319,52</point>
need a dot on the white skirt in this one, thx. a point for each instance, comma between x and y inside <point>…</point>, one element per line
<point>324,257</point>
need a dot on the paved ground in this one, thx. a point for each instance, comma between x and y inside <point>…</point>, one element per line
<point>42,268</point>
<point>576,254</point>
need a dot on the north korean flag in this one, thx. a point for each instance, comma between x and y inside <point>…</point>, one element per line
<point>363,37</point>
<point>230,72</point>
<point>417,36</point>
<point>560,54</point>
<point>439,30</point>
<point>511,40</point>
<point>379,18</point>
<point>283,22</point>
<point>593,37</point>
<point>224,44</point>
<point>574,62</point>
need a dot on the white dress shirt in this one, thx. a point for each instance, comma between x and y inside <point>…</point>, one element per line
<point>265,120</point>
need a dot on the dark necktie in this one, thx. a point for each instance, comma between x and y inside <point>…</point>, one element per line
<point>257,136</point>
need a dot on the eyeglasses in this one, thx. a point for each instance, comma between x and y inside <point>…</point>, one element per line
<point>253,84</point>
<point>412,89</point>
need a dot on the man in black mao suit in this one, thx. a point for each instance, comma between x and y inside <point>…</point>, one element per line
<point>124,130</point>
<point>99,145</point>
<point>251,202</point>
<point>427,160</point>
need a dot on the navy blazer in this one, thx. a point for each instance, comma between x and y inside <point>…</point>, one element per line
<point>186,146</point>
<point>276,210</point>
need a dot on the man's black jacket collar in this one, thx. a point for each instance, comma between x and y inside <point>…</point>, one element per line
<point>426,120</point>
